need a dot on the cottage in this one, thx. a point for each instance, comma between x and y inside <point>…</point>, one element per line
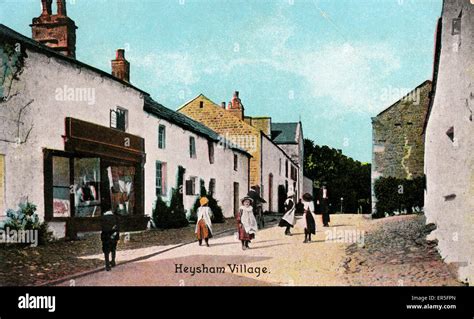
<point>77,141</point>
<point>272,169</point>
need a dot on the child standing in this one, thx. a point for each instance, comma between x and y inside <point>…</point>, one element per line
<point>204,224</point>
<point>309,218</point>
<point>288,220</point>
<point>110,235</point>
<point>246,222</point>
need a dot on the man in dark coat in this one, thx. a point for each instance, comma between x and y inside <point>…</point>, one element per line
<point>325,207</point>
<point>109,236</point>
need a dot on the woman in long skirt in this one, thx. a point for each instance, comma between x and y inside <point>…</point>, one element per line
<point>309,218</point>
<point>246,222</point>
<point>204,224</point>
<point>288,220</point>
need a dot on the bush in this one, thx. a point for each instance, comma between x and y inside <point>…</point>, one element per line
<point>218,216</point>
<point>25,218</point>
<point>397,195</point>
<point>170,217</point>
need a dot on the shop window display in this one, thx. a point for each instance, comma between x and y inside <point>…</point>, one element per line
<point>87,187</point>
<point>122,192</point>
<point>61,187</point>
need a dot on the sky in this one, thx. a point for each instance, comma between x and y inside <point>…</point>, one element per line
<point>331,64</point>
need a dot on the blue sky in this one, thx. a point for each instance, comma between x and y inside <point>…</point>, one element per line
<point>333,64</point>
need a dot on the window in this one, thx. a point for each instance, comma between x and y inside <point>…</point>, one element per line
<point>201,104</point>
<point>236,162</point>
<point>212,187</point>
<point>87,199</point>
<point>450,133</point>
<point>192,147</point>
<point>286,169</point>
<point>456,26</point>
<point>191,186</point>
<point>279,166</point>
<point>61,187</point>
<point>161,136</point>
<point>119,119</point>
<point>210,147</point>
<point>160,179</point>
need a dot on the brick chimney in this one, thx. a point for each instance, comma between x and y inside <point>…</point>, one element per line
<point>236,107</point>
<point>57,31</point>
<point>121,67</point>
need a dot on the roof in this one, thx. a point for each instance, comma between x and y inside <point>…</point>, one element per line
<point>427,82</point>
<point>6,32</point>
<point>285,133</point>
<point>187,123</point>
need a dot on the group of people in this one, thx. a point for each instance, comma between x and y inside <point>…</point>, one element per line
<point>246,223</point>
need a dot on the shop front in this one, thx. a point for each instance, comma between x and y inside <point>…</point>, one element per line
<point>100,169</point>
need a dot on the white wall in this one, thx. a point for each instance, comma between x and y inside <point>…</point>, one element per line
<point>40,80</point>
<point>176,153</point>
<point>271,155</point>
<point>449,166</point>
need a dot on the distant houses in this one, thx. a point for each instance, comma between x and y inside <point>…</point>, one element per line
<point>397,138</point>
<point>77,141</point>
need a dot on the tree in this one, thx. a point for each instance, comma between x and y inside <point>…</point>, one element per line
<point>343,176</point>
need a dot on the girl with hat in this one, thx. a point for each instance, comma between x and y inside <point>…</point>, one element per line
<point>204,225</point>
<point>246,222</point>
<point>288,220</point>
<point>309,218</point>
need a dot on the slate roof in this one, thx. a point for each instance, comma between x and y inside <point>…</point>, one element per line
<point>187,123</point>
<point>285,133</point>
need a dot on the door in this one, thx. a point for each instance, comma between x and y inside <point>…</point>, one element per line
<point>236,198</point>
<point>270,192</point>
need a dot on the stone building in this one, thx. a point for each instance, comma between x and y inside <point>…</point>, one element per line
<point>272,169</point>
<point>397,137</point>
<point>77,141</point>
<point>449,142</point>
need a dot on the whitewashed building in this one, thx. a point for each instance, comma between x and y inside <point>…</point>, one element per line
<point>76,141</point>
<point>449,144</point>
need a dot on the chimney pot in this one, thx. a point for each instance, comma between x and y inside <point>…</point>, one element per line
<point>120,54</point>
<point>236,93</point>
<point>46,5</point>
<point>61,4</point>
<point>223,105</point>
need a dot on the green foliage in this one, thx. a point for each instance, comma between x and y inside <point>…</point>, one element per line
<point>218,216</point>
<point>397,195</point>
<point>343,176</point>
<point>25,218</point>
<point>168,217</point>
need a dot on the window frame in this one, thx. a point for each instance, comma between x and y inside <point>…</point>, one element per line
<point>192,147</point>
<point>161,136</point>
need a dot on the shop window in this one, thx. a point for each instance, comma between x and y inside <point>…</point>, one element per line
<point>122,189</point>
<point>212,187</point>
<point>161,136</point>
<point>119,119</point>
<point>61,187</point>
<point>160,179</point>
<point>87,187</point>
<point>210,147</point>
<point>2,185</point>
<point>192,147</point>
<point>236,162</point>
<point>191,186</point>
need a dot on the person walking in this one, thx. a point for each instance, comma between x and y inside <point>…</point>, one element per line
<point>325,207</point>
<point>289,219</point>
<point>309,218</point>
<point>204,224</point>
<point>109,236</point>
<point>246,222</point>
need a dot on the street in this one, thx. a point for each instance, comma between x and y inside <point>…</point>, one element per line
<point>274,259</point>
